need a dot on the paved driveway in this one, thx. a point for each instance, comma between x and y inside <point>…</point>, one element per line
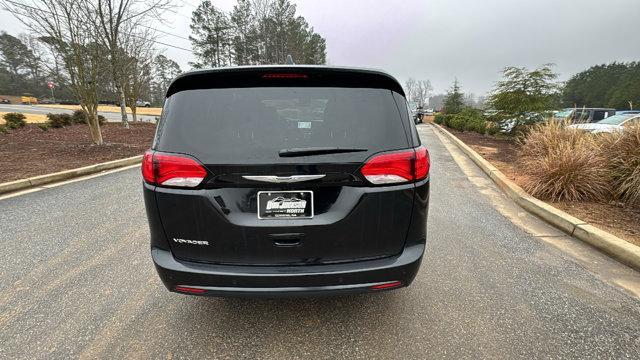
<point>76,279</point>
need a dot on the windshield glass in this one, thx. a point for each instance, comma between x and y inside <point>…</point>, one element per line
<point>564,113</point>
<point>614,120</point>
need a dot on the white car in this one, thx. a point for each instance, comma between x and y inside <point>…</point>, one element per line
<point>142,103</point>
<point>609,125</point>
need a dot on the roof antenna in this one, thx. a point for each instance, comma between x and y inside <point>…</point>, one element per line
<point>290,60</point>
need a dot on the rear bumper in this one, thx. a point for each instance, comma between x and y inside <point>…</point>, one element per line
<point>274,281</point>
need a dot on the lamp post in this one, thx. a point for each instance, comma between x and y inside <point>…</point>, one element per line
<point>51,85</point>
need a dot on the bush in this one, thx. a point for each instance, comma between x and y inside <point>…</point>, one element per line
<point>102,120</point>
<point>563,164</point>
<point>467,120</point>
<point>44,126</point>
<point>439,119</point>
<point>3,129</point>
<point>59,120</point>
<point>14,120</point>
<point>79,117</point>
<point>623,153</point>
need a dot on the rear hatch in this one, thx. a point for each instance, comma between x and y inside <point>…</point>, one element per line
<point>283,151</point>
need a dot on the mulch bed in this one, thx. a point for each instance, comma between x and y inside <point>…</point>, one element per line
<point>29,151</point>
<point>503,154</point>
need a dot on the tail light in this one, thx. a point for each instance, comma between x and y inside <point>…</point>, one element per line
<point>172,170</point>
<point>397,167</point>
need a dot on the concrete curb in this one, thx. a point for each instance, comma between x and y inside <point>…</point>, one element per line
<point>606,242</point>
<point>23,184</point>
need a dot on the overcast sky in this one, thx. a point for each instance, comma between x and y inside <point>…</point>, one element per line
<point>440,40</point>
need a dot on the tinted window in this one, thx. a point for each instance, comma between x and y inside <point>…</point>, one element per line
<point>251,125</point>
<point>599,115</point>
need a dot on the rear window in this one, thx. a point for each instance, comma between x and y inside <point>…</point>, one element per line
<point>251,125</point>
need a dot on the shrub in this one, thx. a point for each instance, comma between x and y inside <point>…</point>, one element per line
<point>563,164</point>
<point>44,126</point>
<point>457,122</point>
<point>102,120</point>
<point>439,119</point>
<point>492,128</point>
<point>623,152</point>
<point>467,120</point>
<point>14,120</point>
<point>3,129</point>
<point>79,117</point>
<point>59,120</point>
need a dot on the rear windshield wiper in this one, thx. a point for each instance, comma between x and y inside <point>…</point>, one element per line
<point>293,152</point>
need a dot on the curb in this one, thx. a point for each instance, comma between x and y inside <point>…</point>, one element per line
<point>606,242</point>
<point>35,181</point>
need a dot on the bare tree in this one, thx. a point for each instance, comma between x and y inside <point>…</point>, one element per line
<point>422,92</point>
<point>410,88</point>
<point>141,56</point>
<point>113,18</point>
<point>418,91</point>
<point>68,30</point>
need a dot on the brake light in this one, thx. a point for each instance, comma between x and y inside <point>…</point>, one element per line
<point>284,76</point>
<point>172,170</point>
<point>397,167</point>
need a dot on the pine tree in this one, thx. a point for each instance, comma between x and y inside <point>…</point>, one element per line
<point>211,36</point>
<point>454,102</point>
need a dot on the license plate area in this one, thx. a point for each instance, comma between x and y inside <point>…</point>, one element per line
<point>285,204</point>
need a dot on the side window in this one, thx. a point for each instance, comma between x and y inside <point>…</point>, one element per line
<point>599,115</point>
<point>405,112</point>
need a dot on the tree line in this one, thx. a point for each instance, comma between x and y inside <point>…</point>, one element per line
<point>96,50</point>
<point>615,85</point>
<point>27,64</point>
<point>254,32</point>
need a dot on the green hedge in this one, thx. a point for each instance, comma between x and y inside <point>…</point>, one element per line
<point>466,120</point>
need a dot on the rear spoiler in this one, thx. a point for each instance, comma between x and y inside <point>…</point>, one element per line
<point>284,76</point>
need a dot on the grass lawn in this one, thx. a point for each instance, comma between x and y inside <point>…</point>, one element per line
<point>31,118</point>
<point>110,108</point>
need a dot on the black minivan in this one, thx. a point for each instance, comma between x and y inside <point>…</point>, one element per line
<point>286,180</point>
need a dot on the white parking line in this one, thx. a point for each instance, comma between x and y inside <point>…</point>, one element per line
<point>65,182</point>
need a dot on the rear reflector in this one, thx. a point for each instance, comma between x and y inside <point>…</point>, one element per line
<point>284,76</point>
<point>172,170</point>
<point>397,167</point>
<point>387,285</point>
<point>189,290</point>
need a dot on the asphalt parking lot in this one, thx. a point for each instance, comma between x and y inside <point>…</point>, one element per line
<point>76,280</point>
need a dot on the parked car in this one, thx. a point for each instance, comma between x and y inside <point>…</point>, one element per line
<point>142,103</point>
<point>584,115</point>
<point>5,101</point>
<point>611,124</point>
<point>429,112</point>
<point>240,202</point>
<point>415,112</point>
<point>627,112</point>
